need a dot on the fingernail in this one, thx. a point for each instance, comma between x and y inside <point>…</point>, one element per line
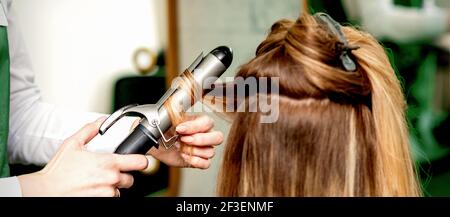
<point>187,139</point>
<point>181,128</point>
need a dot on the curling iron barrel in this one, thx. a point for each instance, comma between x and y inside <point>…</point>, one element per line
<point>155,119</point>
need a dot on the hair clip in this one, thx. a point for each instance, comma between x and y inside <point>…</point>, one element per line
<point>348,63</point>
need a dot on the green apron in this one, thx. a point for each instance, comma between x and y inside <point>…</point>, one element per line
<point>4,101</point>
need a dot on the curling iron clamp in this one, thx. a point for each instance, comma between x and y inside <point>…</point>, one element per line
<point>155,119</point>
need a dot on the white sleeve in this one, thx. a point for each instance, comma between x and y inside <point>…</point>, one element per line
<point>36,128</point>
<point>10,187</point>
<point>403,24</point>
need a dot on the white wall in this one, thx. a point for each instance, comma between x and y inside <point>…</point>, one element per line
<point>80,47</point>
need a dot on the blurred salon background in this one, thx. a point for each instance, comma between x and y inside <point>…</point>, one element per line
<point>99,55</point>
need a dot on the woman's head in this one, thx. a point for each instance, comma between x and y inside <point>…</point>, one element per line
<point>339,132</point>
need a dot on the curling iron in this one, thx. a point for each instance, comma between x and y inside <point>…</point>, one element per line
<point>155,119</point>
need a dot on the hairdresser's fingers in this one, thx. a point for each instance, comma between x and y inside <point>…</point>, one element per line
<point>200,124</point>
<point>131,162</point>
<point>196,162</point>
<point>85,134</point>
<point>125,180</point>
<point>204,139</point>
<point>203,152</point>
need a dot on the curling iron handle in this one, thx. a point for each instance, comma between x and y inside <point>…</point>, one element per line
<point>136,143</point>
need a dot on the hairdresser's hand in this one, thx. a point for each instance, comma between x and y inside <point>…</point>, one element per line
<point>73,171</point>
<point>197,144</point>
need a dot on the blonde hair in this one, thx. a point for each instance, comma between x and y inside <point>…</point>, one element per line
<point>339,133</point>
